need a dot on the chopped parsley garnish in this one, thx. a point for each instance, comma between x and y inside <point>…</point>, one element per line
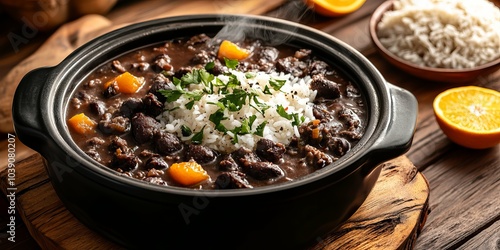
<point>233,98</point>
<point>198,137</point>
<point>294,117</point>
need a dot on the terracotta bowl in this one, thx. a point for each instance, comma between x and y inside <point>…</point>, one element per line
<point>428,73</point>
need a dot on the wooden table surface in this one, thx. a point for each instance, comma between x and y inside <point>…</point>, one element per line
<point>465,183</point>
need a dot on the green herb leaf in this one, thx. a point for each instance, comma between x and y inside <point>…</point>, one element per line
<point>250,75</point>
<point>217,117</point>
<point>234,101</point>
<point>267,91</point>
<point>232,64</point>
<point>260,129</point>
<point>282,112</point>
<point>276,84</point>
<point>210,66</point>
<point>189,105</point>
<point>171,94</point>
<point>198,137</point>
<point>294,117</point>
<point>186,131</point>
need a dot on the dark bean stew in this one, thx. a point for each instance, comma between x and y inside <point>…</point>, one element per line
<point>113,115</point>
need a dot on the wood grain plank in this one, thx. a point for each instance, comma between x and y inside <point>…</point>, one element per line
<point>398,213</point>
<point>487,239</point>
<point>465,196</point>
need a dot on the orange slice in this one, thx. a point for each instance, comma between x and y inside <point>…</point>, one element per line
<point>469,116</point>
<point>127,83</point>
<point>232,51</point>
<point>335,7</point>
<point>82,124</point>
<point>188,173</point>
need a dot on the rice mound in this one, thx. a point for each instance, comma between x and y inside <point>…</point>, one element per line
<point>295,96</point>
<point>452,34</point>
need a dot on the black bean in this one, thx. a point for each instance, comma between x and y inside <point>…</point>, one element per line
<point>151,105</point>
<point>97,107</point>
<point>325,88</point>
<point>262,170</point>
<point>200,154</point>
<point>131,106</point>
<point>227,163</point>
<point>114,125</point>
<point>167,143</point>
<point>231,180</point>
<point>144,128</point>
<point>269,150</point>
<point>156,163</point>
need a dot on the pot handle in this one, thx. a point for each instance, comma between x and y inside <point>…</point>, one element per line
<point>27,113</point>
<point>398,136</point>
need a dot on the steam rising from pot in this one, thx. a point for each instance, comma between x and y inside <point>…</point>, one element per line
<point>239,28</point>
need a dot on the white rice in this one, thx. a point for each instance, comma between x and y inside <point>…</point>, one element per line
<point>295,95</point>
<point>442,33</point>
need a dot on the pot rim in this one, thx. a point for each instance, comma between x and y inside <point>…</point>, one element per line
<point>375,88</point>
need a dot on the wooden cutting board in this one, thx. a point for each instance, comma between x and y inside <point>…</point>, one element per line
<point>390,218</point>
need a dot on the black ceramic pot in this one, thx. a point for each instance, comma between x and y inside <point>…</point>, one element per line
<point>136,214</point>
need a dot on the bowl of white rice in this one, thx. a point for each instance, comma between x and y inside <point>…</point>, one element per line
<point>453,41</point>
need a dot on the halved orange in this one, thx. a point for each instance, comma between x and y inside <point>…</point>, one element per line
<point>334,7</point>
<point>469,116</point>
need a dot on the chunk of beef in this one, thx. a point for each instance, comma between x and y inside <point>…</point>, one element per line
<point>110,91</point>
<point>253,166</point>
<point>153,172</point>
<point>159,82</point>
<point>262,170</point>
<point>151,105</point>
<point>325,88</point>
<point>292,65</point>
<point>162,63</point>
<point>339,146</point>
<point>125,161</point>
<point>318,67</point>
<point>227,163</point>
<point>243,155</point>
<point>92,152</point>
<point>203,57</point>
<point>131,106</point>
<point>267,58</point>
<point>200,154</point>
<point>198,39</point>
<point>118,143</point>
<point>114,125</point>
<point>95,142</point>
<point>269,150</point>
<point>321,112</point>
<point>144,128</point>
<point>352,91</point>
<point>316,158</point>
<point>232,180</point>
<point>302,54</point>
<point>97,107</point>
<point>117,66</point>
<point>156,162</point>
<point>167,143</point>
<point>141,66</point>
<point>353,122</point>
<point>156,180</point>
